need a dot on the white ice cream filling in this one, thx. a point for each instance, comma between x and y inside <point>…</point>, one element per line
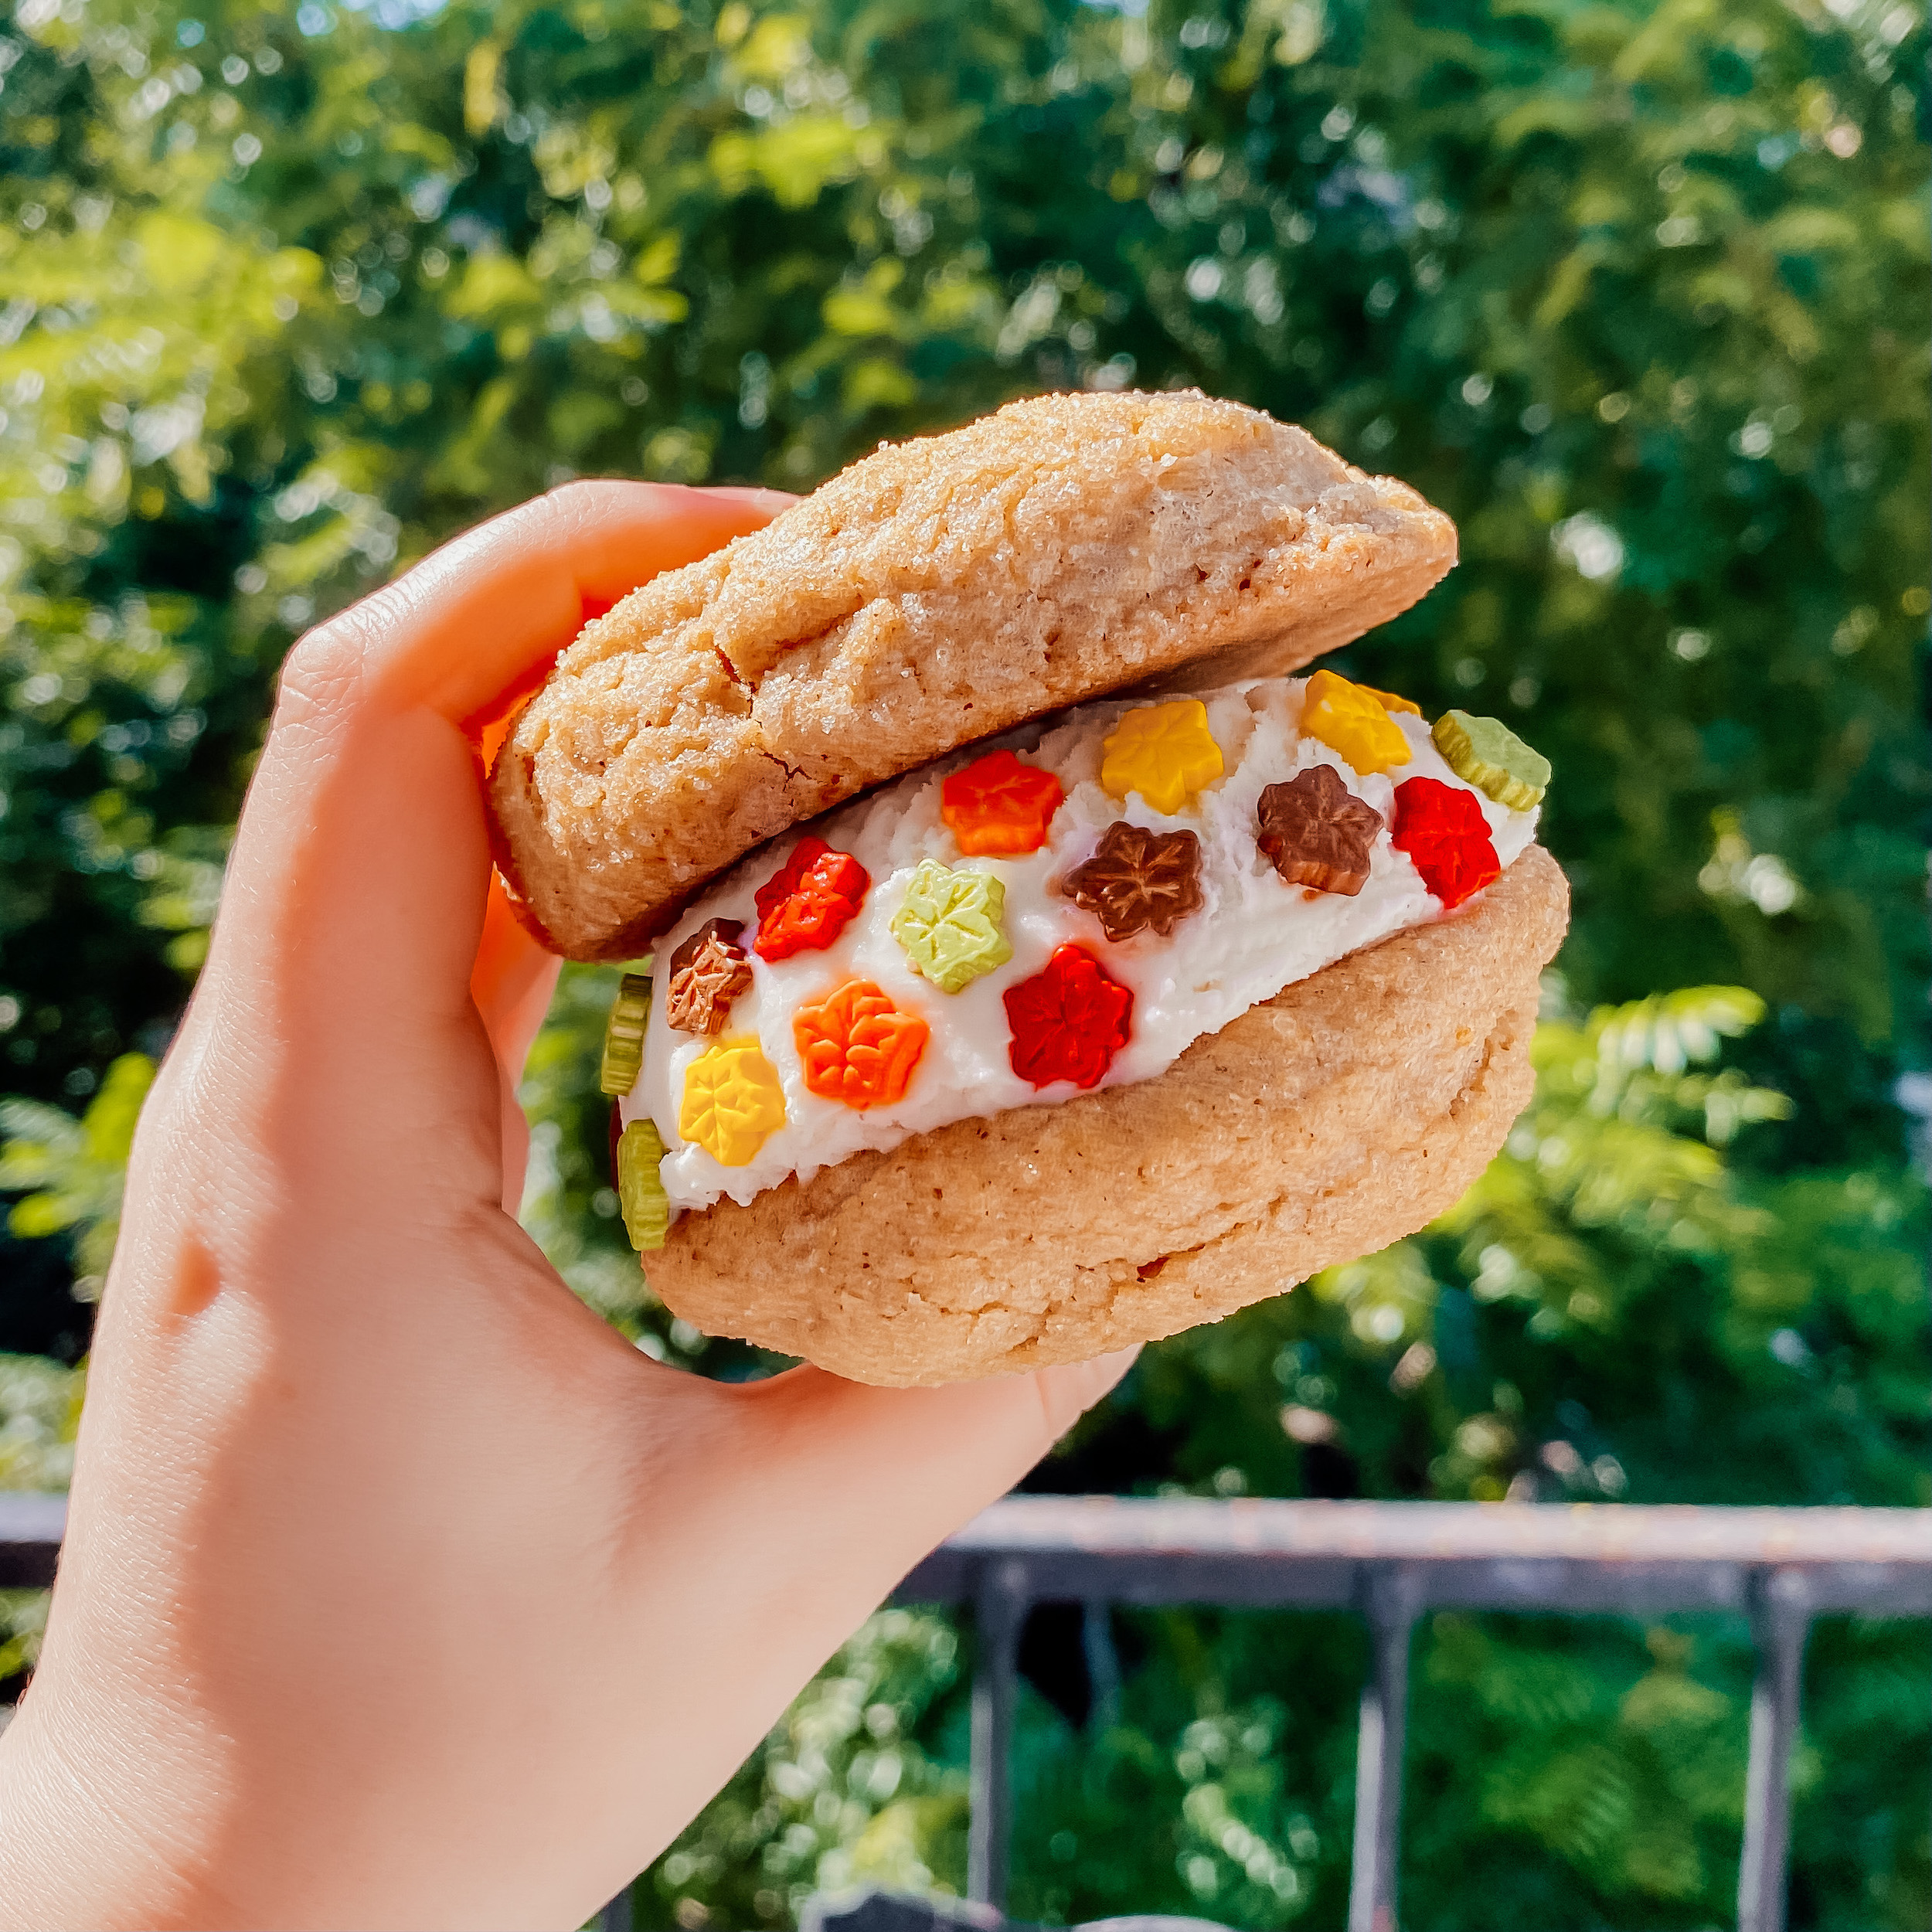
<point>1252,935</point>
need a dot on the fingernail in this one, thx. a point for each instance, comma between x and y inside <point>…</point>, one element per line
<point>774,501</point>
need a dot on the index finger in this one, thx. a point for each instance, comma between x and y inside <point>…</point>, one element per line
<point>359,873</point>
<point>439,637</point>
<point>510,981</point>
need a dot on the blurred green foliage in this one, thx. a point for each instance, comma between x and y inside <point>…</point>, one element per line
<point>843,1794</point>
<point>40,1415</point>
<point>1637,292</point>
<point>69,1173</point>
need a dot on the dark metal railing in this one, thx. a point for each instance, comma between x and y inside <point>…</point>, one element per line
<point>1390,1562</point>
<point>31,1527</point>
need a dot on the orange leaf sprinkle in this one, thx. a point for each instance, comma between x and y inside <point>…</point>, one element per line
<point>858,1047</point>
<point>998,808</point>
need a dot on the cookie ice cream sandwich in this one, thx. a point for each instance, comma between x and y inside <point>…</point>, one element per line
<point>1041,964</point>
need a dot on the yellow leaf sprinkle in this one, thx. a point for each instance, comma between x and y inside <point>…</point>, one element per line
<point>732,1100</point>
<point>1165,753</point>
<point>1352,720</point>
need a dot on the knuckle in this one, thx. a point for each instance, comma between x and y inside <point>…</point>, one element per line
<point>326,670</point>
<point>577,498</point>
<point>318,674</point>
<point>577,505</point>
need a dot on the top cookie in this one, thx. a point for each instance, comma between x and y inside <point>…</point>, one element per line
<point>935,593</point>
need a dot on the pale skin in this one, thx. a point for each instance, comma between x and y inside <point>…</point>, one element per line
<point>398,1589</point>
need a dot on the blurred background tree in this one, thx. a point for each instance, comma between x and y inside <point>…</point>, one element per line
<point>1637,292</point>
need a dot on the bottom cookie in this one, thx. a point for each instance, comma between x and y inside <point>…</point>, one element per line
<point>1346,1112</point>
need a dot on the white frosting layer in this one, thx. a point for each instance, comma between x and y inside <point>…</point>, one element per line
<point>1252,936</point>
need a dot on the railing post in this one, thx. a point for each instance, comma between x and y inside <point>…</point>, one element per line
<point>999,1610</point>
<point>1781,1616</point>
<point>1389,1600</point>
<point>1103,1662</point>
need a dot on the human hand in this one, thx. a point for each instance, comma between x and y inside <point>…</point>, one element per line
<point>398,1589</point>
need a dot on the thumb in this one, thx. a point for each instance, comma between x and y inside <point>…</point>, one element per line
<point>865,1481</point>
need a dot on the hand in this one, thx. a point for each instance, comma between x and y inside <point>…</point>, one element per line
<point>398,1589</point>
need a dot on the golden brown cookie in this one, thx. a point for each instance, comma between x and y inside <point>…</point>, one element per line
<point>939,591</point>
<point>1344,1113</point>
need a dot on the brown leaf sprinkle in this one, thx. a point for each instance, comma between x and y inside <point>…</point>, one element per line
<point>1317,833</point>
<point>1137,878</point>
<point>708,973</point>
